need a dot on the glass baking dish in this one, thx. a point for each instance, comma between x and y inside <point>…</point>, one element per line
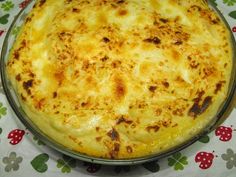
<point>15,104</point>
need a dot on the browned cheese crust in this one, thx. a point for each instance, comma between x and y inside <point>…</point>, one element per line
<point>121,78</point>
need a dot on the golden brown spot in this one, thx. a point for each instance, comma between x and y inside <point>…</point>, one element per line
<point>175,125</point>
<point>32,75</point>
<point>119,88</point>
<point>68,1</point>
<point>152,88</point>
<point>123,120</point>
<point>89,79</point>
<point>129,149</point>
<point>114,135</point>
<point>18,77</point>
<point>180,79</point>
<point>208,71</point>
<point>194,64</point>
<point>85,65</point>
<point>54,94</point>
<point>114,152</point>
<point>27,85</point>
<point>175,54</point>
<point>219,86</point>
<point>120,1</point>
<point>122,12</point>
<point>166,84</point>
<point>23,44</point>
<point>72,138</point>
<point>178,42</point>
<point>166,123</point>
<point>158,112</point>
<point>105,58</point>
<point>91,82</point>
<point>39,105</point>
<point>198,109</point>
<point>106,40</point>
<point>161,63</point>
<point>16,54</point>
<point>199,96</point>
<point>97,129</point>
<point>41,2</point>
<point>75,10</point>
<point>116,63</point>
<point>154,40</point>
<point>215,21</point>
<point>98,139</point>
<point>164,20</point>
<point>59,77</point>
<point>133,125</point>
<point>155,128</point>
<point>177,19</point>
<point>141,104</point>
<point>65,36</point>
<point>28,19</point>
<point>206,103</point>
<point>83,104</point>
<point>75,140</point>
<point>178,112</point>
<point>194,8</point>
<point>23,97</point>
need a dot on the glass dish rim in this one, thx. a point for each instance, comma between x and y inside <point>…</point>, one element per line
<point>132,161</point>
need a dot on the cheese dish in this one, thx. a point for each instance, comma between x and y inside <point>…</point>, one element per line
<point>121,79</point>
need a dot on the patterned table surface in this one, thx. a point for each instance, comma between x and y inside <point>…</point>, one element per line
<point>213,155</point>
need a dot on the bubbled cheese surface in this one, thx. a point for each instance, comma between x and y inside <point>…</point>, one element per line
<point>121,78</point>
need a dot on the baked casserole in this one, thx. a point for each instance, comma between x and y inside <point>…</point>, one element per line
<point>121,79</point>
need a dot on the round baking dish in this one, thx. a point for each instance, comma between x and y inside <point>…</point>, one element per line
<point>15,104</point>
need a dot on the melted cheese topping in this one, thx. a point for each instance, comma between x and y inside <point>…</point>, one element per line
<point>121,78</point>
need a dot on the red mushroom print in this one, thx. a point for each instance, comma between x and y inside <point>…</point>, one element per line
<point>24,4</point>
<point>16,136</point>
<point>1,32</point>
<point>234,29</point>
<point>225,133</point>
<point>205,159</point>
<point>92,168</point>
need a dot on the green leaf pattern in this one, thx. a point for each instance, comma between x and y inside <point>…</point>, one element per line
<point>7,6</point>
<point>178,161</point>
<point>3,110</point>
<point>16,30</point>
<point>39,142</point>
<point>204,139</point>
<point>213,2</point>
<point>233,14</point>
<point>4,19</point>
<point>39,163</point>
<point>152,166</point>
<point>66,163</point>
<point>229,2</point>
